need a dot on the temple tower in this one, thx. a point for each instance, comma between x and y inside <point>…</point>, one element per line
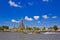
<point>21,24</point>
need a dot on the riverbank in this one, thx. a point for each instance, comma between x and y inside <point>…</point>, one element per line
<point>51,33</point>
<point>35,32</point>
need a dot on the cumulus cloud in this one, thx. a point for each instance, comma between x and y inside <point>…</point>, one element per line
<point>45,16</point>
<point>36,17</point>
<point>54,17</point>
<point>45,0</point>
<point>13,20</point>
<point>27,18</point>
<point>14,4</point>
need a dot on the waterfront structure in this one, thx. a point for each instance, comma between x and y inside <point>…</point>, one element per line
<point>58,29</point>
<point>21,27</point>
<point>51,29</point>
<point>21,24</point>
<point>14,29</point>
<point>44,29</point>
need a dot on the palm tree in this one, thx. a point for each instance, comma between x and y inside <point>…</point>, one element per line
<point>36,28</point>
<point>55,27</point>
<point>28,28</point>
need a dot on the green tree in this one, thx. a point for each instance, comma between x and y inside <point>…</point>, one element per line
<point>36,28</point>
<point>5,27</point>
<point>1,28</point>
<point>28,28</point>
<point>55,27</point>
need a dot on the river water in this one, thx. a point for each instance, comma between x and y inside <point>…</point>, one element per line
<point>21,36</point>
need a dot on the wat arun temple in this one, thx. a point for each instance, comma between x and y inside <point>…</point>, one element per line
<point>20,28</point>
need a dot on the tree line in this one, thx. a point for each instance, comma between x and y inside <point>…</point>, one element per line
<point>55,27</point>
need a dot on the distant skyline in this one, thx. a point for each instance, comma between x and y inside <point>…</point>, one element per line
<point>33,12</point>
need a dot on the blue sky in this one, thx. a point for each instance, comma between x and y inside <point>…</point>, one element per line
<point>34,12</point>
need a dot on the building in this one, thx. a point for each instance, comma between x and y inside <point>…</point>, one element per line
<point>21,24</point>
<point>58,29</point>
<point>14,29</point>
<point>21,27</point>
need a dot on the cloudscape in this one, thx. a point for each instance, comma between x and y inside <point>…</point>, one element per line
<point>33,12</point>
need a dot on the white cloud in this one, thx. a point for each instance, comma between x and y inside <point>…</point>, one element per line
<point>14,4</point>
<point>30,3</point>
<point>36,17</point>
<point>27,18</point>
<point>45,0</point>
<point>13,20</point>
<point>38,22</point>
<point>54,17</point>
<point>45,16</point>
